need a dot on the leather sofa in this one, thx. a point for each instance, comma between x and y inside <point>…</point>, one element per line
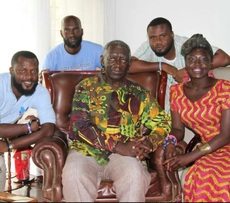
<point>50,153</point>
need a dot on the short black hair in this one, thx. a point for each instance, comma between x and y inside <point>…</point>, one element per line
<point>195,42</point>
<point>25,54</point>
<point>159,21</point>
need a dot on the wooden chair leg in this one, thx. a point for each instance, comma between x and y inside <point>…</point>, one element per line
<point>9,173</point>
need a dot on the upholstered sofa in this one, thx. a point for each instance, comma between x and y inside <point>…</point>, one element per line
<point>50,153</point>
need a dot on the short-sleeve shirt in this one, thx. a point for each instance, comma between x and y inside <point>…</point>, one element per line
<point>145,53</point>
<point>10,107</point>
<point>88,58</point>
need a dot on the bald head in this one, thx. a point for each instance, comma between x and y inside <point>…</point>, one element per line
<point>70,18</point>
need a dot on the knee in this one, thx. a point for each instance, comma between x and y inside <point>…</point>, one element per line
<point>136,171</point>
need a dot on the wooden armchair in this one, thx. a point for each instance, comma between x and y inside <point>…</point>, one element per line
<point>50,154</point>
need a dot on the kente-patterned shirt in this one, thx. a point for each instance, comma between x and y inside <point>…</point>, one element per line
<point>101,116</point>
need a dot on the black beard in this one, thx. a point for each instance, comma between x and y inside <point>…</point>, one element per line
<point>20,89</point>
<point>70,45</point>
<point>160,54</point>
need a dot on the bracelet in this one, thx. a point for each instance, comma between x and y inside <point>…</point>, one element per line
<point>173,141</point>
<point>9,146</point>
<point>29,128</point>
<point>205,149</point>
<point>159,66</point>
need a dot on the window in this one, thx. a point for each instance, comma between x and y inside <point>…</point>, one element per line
<point>34,25</point>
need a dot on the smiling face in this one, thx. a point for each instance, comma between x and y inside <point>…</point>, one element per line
<point>198,63</point>
<point>24,76</point>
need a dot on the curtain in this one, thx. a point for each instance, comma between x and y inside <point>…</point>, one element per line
<point>34,25</point>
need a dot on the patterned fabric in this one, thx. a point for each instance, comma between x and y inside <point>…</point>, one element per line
<point>102,116</point>
<point>144,52</point>
<point>208,180</point>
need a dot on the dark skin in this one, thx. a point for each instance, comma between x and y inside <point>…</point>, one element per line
<point>116,63</point>
<point>198,63</point>
<point>71,30</point>
<point>160,38</point>
<point>25,71</point>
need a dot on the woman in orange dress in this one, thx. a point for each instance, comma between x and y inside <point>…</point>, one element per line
<point>203,104</point>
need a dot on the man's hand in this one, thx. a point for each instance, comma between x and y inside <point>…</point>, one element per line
<point>139,148</point>
<point>178,75</point>
<point>169,68</point>
<point>34,122</point>
<point>143,147</point>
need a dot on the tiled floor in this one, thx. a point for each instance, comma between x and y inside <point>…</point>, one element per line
<point>33,190</point>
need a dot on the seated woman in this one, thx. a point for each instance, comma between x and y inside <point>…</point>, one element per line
<point>202,103</point>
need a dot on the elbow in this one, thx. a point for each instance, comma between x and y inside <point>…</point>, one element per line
<point>48,129</point>
<point>226,62</point>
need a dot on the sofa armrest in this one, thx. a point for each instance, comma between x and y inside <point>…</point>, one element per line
<point>50,154</point>
<point>170,182</point>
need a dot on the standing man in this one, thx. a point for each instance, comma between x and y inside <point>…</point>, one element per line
<point>162,51</point>
<point>74,53</point>
<point>20,91</point>
<point>114,125</point>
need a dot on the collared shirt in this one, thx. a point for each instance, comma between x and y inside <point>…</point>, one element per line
<point>101,116</point>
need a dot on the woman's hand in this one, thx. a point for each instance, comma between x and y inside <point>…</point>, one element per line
<point>178,161</point>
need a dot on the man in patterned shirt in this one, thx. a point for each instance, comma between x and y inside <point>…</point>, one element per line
<point>114,125</point>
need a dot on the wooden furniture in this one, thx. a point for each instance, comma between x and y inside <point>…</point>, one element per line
<point>8,197</point>
<point>50,153</point>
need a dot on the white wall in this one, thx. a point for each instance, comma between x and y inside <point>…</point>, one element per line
<point>124,19</point>
<point>23,24</point>
<point>208,17</point>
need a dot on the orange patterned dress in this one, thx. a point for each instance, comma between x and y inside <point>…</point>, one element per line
<point>208,180</point>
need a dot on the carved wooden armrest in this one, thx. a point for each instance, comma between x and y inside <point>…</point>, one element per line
<point>170,181</point>
<point>50,154</point>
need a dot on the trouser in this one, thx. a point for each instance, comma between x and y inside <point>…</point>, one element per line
<point>2,172</point>
<point>82,175</point>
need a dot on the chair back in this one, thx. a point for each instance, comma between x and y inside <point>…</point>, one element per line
<point>61,86</point>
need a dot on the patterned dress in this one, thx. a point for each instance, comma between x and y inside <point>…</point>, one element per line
<point>208,180</point>
<point>102,116</point>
